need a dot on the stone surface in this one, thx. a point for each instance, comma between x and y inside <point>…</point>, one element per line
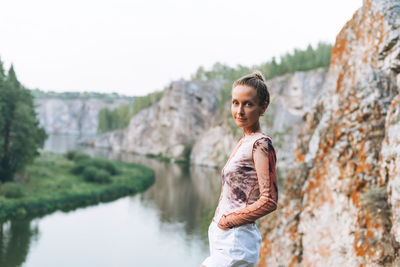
<point>187,115</point>
<point>390,163</point>
<point>72,116</point>
<point>182,119</point>
<point>347,149</point>
<point>171,126</point>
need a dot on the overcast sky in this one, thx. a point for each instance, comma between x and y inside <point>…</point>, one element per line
<point>135,47</point>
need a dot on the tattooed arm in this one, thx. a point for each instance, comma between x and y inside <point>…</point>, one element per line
<point>264,158</point>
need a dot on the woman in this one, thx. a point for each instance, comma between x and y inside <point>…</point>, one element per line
<point>249,181</point>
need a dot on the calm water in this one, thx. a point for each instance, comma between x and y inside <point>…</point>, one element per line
<point>159,227</point>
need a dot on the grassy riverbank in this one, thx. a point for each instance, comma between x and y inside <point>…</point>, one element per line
<point>55,182</point>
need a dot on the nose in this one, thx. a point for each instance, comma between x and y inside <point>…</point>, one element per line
<point>241,109</point>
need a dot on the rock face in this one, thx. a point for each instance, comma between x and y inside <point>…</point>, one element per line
<point>212,148</point>
<point>341,202</point>
<point>187,117</point>
<point>72,116</point>
<point>171,126</point>
<point>390,164</point>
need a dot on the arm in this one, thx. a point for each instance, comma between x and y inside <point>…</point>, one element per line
<point>264,158</point>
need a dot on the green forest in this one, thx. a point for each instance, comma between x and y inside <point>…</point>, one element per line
<point>299,60</point>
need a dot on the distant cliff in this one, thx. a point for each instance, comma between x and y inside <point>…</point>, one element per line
<point>341,203</point>
<point>187,123</point>
<point>77,116</point>
<point>170,127</point>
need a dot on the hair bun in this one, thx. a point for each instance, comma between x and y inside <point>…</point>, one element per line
<point>257,74</point>
<point>257,81</point>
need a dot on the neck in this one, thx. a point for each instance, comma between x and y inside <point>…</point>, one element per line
<point>253,129</point>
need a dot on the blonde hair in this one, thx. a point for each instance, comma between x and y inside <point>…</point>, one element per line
<point>257,81</point>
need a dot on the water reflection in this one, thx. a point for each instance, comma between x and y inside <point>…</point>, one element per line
<point>180,193</point>
<point>163,226</point>
<point>15,240</point>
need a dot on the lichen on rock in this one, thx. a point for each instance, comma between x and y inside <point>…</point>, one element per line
<point>348,147</point>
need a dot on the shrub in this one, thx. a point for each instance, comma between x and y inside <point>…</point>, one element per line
<point>76,155</point>
<point>11,190</point>
<point>98,163</point>
<point>78,168</point>
<point>102,177</point>
<point>81,156</point>
<point>92,174</point>
<point>88,173</point>
<point>104,164</point>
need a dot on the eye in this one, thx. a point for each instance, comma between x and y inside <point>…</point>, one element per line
<point>249,104</point>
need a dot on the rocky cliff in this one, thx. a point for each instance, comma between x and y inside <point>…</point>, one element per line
<point>169,127</point>
<point>340,205</point>
<point>186,122</point>
<point>72,116</point>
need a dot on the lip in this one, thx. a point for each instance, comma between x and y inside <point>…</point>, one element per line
<point>240,119</point>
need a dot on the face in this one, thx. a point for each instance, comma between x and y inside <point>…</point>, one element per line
<point>245,108</point>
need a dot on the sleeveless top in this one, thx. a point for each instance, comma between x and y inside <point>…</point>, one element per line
<point>249,182</point>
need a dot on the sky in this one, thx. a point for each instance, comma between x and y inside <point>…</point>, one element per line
<point>135,47</point>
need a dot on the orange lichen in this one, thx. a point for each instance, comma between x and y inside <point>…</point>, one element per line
<point>355,194</point>
<point>367,248</point>
<point>338,49</point>
<point>264,251</point>
<point>299,157</point>
<point>364,167</point>
<point>317,191</point>
<point>293,232</point>
<point>349,169</point>
<point>339,81</point>
<point>293,261</point>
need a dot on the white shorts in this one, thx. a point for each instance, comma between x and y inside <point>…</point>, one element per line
<point>235,247</point>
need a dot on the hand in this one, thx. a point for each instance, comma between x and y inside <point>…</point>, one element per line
<point>222,228</point>
<point>222,224</point>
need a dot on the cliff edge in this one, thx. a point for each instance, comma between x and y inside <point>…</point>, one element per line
<point>341,205</point>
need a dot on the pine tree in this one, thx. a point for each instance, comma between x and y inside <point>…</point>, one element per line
<point>20,134</point>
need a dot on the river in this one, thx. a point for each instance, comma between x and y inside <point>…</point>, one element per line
<point>159,227</point>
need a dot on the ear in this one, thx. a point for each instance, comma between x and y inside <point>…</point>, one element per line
<point>264,107</point>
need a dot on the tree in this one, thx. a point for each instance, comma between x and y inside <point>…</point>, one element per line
<point>20,134</point>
